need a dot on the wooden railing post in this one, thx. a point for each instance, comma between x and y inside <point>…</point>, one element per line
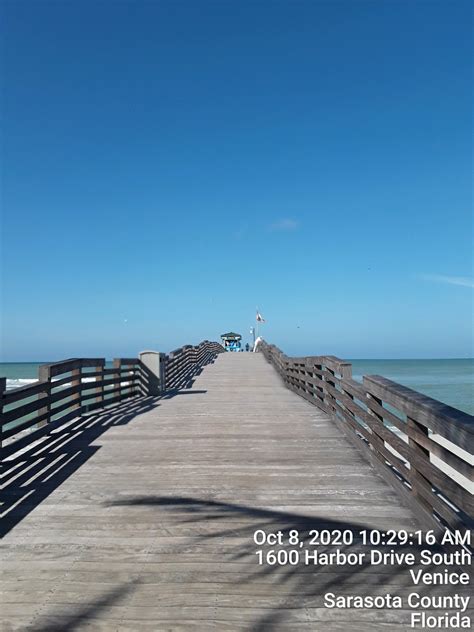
<point>3,388</point>
<point>330,400</point>
<point>284,370</point>
<point>322,391</point>
<point>44,375</point>
<point>309,386</point>
<point>187,350</point>
<point>117,364</point>
<point>417,480</point>
<point>372,413</point>
<point>100,388</point>
<point>348,394</point>
<point>346,371</point>
<point>154,365</point>
<point>76,380</point>
<point>136,380</point>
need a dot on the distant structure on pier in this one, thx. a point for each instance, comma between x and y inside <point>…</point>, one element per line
<point>231,341</point>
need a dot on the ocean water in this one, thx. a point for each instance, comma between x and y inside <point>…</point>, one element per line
<point>24,373</point>
<point>19,373</point>
<point>450,381</point>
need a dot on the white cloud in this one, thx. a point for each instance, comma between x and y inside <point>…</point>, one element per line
<point>450,280</point>
<point>286,224</point>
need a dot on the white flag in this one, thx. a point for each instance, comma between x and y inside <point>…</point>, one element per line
<point>260,318</point>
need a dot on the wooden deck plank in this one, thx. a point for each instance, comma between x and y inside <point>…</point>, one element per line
<point>153,529</point>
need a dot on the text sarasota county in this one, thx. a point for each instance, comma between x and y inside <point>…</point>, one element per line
<point>423,558</point>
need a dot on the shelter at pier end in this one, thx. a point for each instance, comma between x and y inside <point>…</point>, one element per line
<point>231,341</point>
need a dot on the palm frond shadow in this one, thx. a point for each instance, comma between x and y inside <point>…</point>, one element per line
<point>55,623</point>
<point>305,584</point>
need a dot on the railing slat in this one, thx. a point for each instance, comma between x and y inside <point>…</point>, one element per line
<point>64,391</point>
<point>453,424</point>
<point>397,426</point>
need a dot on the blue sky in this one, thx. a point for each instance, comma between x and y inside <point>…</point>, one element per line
<point>168,166</point>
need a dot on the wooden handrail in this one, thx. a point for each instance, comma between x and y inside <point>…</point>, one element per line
<point>423,447</point>
<point>183,363</point>
<point>449,422</point>
<point>67,389</point>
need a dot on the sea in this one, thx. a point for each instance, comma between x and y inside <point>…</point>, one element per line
<point>449,381</point>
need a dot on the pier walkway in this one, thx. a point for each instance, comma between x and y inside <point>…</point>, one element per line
<point>142,516</point>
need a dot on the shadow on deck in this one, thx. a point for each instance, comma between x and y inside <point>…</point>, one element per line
<point>29,478</point>
<point>298,587</point>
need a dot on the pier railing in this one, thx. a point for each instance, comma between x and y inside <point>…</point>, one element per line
<point>68,389</point>
<point>181,363</point>
<point>420,445</point>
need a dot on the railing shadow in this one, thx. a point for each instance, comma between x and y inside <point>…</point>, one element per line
<point>176,391</point>
<point>30,477</point>
<point>303,585</point>
<point>186,380</point>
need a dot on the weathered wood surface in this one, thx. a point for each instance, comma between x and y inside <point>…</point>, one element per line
<point>424,448</point>
<point>71,387</point>
<point>142,517</point>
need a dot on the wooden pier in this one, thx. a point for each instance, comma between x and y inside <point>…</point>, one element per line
<point>126,512</point>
